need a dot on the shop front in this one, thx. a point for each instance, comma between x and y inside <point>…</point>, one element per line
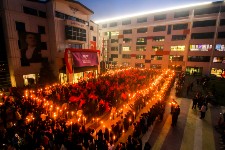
<point>81,64</point>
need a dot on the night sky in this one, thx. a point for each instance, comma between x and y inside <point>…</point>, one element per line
<point>104,9</point>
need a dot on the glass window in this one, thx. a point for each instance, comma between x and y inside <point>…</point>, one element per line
<point>155,66</point>
<point>140,56</point>
<point>207,10</point>
<point>126,22</point>
<point>199,58</point>
<point>200,47</point>
<point>220,47</point>
<point>204,23</point>
<point>156,57</point>
<point>59,15</point>
<point>114,40</point>
<point>114,33</point>
<point>206,35</point>
<point>94,38</point>
<point>30,11</point>
<point>127,40</point>
<point>181,14</point>
<point>176,58</point>
<point>139,65</point>
<point>160,17</point>
<point>222,22</point>
<point>142,30</point>
<point>221,35</point>
<point>74,33</point>
<point>113,24</point>
<point>41,29</point>
<point>140,48</point>
<point>126,48</point>
<point>141,41</point>
<point>180,26</point>
<point>125,64</point>
<point>42,14</point>
<point>114,55</point>
<point>129,31</point>
<point>169,29</point>
<point>126,56</point>
<point>178,37</point>
<point>92,28</point>
<point>20,26</point>
<point>177,48</point>
<point>141,20</point>
<point>157,48</point>
<point>114,48</point>
<point>158,38</point>
<point>159,28</point>
<point>219,60</point>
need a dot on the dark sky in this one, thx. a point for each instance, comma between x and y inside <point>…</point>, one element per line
<point>104,9</point>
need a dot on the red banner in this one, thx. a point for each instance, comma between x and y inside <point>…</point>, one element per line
<point>93,45</point>
<point>77,50</point>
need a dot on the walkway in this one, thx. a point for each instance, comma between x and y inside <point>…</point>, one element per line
<point>191,133</point>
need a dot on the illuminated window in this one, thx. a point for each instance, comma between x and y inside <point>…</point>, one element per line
<point>177,48</point>
<point>114,33</point>
<point>140,56</point>
<point>125,64</point>
<point>140,48</point>
<point>126,48</point>
<point>219,60</point>
<point>139,65</point>
<point>141,41</point>
<point>157,48</point>
<point>158,38</point>
<point>220,47</point>
<point>176,58</point>
<point>156,57</point>
<point>156,66</point>
<point>200,47</point>
<point>127,40</point>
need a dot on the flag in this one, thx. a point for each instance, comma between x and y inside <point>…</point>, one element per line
<point>93,45</point>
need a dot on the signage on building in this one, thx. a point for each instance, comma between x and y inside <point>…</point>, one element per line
<point>82,59</point>
<point>75,24</point>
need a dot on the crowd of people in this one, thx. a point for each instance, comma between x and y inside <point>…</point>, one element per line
<point>26,128</point>
<point>180,83</point>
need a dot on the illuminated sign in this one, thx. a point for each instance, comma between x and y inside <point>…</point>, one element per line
<point>201,47</point>
<point>219,47</point>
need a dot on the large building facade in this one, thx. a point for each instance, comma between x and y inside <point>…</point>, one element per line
<point>189,39</point>
<point>40,31</point>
